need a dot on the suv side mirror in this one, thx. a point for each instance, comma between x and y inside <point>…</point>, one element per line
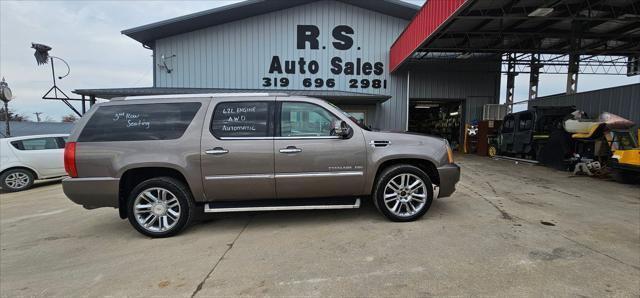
<point>341,129</point>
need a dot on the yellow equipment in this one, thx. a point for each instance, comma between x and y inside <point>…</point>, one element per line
<point>625,160</point>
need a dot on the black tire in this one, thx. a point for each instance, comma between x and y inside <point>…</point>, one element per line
<point>392,173</point>
<point>9,183</point>
<point>175,188</point>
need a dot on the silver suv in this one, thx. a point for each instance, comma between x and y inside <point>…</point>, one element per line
<point>159,159</point>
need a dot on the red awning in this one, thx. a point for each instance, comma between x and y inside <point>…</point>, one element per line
<point>427,21</point>
<point>464,29</point>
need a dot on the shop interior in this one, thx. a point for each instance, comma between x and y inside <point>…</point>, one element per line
<point>439,118</point>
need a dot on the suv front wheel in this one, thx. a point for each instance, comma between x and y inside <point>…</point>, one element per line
<point>403,193</point>
<point>160,207</point>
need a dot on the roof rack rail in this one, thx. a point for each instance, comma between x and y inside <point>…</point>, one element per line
<point>188,95</point>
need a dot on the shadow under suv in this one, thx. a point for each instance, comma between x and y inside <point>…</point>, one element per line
<point>158,158</point>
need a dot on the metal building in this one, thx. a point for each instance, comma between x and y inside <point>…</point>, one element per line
<point>393,65</point>
<point>333,49</point>
<point>623,101</point>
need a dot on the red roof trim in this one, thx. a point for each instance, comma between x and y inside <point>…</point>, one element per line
<point>427,21</point>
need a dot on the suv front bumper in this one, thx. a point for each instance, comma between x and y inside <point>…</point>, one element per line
<point>449,175</point>
<point>92,192</point>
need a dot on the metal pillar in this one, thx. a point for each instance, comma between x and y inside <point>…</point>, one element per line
<point>84,108</point>
<point>7,129</point>
<point>534,76</point>
<point>511,80</point>
<point>572,73</point>
<point>92,100</point>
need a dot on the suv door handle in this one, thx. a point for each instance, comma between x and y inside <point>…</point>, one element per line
<point>217,151</point>
<point>290,149</point>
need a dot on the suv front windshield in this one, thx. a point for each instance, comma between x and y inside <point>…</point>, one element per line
<point>354,120</point>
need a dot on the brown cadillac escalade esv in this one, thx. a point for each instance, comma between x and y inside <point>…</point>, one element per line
<point>158,158</point>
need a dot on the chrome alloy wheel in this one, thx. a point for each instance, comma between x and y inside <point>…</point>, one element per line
<point>17,180</point>
<point>405,195</point>
<point>156,209</point>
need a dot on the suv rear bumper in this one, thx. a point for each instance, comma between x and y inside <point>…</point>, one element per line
<point>92,192</point>
<point>449,175</point>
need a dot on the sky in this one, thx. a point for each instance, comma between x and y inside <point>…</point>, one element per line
<point>87,35</point>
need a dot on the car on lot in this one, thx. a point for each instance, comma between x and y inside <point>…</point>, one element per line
<point>159,158</point>
<point>525,133</point>
<point>29,158</point>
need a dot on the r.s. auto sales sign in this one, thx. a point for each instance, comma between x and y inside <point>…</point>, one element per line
<point>307,36</point>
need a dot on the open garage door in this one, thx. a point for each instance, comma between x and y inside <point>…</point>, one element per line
<point>443,118</point>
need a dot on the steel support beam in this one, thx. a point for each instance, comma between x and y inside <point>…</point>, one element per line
<point>511,81</point>
<point>572,73</point>
<point>534,76</point>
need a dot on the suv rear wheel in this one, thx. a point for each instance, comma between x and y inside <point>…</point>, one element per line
<point>160,207</point>
<point>403,193</point>
<point>16,180</point>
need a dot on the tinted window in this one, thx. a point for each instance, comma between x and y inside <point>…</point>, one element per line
<point>525,122</point>
<point>36,144</point>
<point>62,141</point>
<point>241,119</point>
<point>508,124</point>
<point>138,122</point>
<point>549,124</point>
<point>300,119</point>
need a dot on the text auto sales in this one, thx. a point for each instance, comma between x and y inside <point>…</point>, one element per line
<point>308,35</point>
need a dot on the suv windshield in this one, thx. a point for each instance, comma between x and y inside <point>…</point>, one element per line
<point>354,120</point>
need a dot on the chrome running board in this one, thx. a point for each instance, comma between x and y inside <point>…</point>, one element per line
<point>297,205</point>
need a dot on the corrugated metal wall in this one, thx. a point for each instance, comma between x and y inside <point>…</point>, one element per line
<point>623,101</point>
<point>477,83</point>
<point>238,54</point>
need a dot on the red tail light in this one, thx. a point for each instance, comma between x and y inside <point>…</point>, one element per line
<point>70,159</point>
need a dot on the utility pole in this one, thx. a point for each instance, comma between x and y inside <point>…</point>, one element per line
<point>6,96</point>
<point>38,115</point>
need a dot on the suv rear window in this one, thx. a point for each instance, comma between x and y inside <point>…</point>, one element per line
<point>139,122</point>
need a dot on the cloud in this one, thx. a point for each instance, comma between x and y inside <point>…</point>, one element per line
<point>87,35</point>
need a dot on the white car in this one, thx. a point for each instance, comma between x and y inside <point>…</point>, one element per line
<point>29,158</point>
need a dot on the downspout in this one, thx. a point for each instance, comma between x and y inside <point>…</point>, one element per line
<point>407,117</point>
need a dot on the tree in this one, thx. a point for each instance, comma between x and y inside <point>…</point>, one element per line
<point>69,118</point>
<point>13,116</point>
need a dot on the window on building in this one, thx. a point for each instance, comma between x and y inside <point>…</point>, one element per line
<point>300,119</point>
<point>138,122</point>
<point>242,119</point>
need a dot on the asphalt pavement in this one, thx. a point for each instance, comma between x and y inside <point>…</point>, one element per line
<point>509,230</point>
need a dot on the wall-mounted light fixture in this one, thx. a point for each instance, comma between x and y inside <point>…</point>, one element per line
<point>163,65</point>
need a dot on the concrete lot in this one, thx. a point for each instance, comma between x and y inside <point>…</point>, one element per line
<point>510,229</point>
